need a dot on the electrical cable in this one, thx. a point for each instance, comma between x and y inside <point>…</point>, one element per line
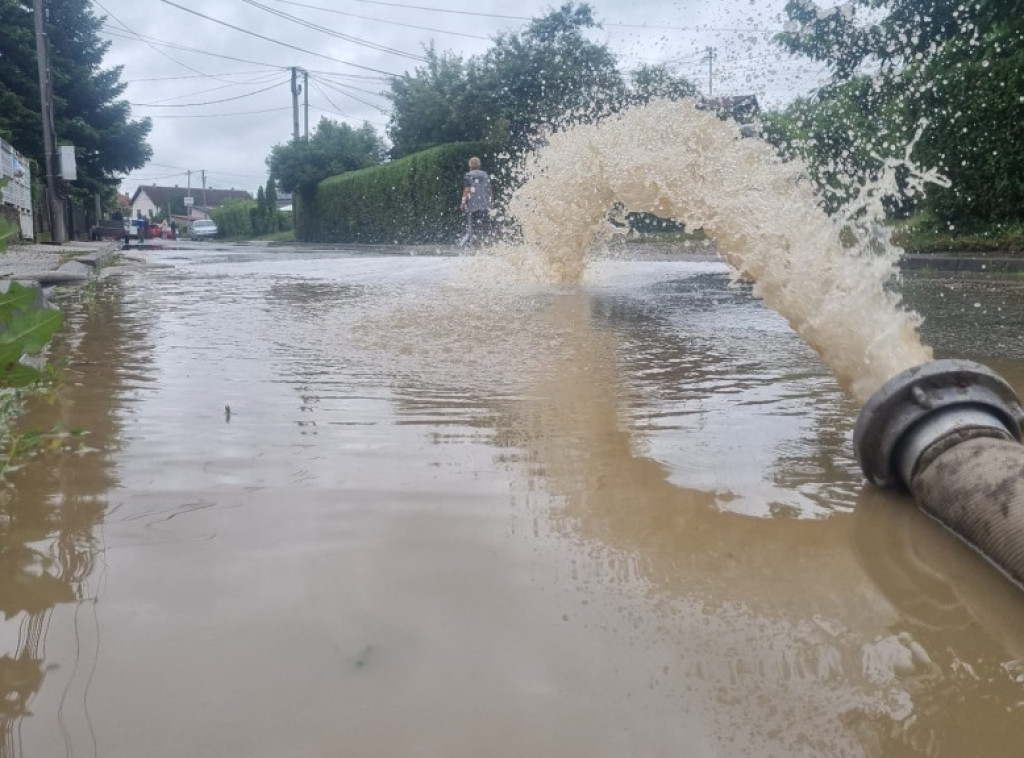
<point>143,40</point>
<point>328,99</point>
<point>338,88</point>
<point>603,24</point>
<point>220,115</point>
<point>177,46</point>
<point>208,102</point>
<point>264,77</point>
<point>382,20</point>
<point>194,76</point>
<point>351,87</point>
<point>331,32</point>
<point>276,42</point>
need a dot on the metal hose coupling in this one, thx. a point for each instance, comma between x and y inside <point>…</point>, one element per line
<point>907,419</point>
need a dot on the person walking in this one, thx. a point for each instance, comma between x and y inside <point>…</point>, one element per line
<point>476,202</point>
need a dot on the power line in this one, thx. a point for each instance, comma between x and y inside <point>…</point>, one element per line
<point>221,115</point>
<point>339,89</point>
<point>264,77</point>
<point>176,46</point>
<point>348,87</point>
<point>445,10</point>
<point>333,33</point>
<point>603,24</point>
<point>383,20</point>
<point>381,124</point>
<point>134,33</point>
<point>193,76</point>
<point>276,42</point>
<point>328,99</point>
<point>207,102</point>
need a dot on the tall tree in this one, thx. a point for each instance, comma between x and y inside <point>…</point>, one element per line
<point>430,105</point>
<point>550,75</point>
<point>333,148</point>
<point>545,76</point>
<point>89,111</point>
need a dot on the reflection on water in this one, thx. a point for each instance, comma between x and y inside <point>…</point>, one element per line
<point>52,509</point>
<point>392,506</point>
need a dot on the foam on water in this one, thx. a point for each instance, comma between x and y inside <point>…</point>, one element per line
<point>679,162</point>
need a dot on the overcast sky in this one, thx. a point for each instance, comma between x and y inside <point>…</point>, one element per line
<point>220,98</point>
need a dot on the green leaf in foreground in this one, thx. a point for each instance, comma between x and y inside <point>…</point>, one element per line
<point>18,375</point>
<point>18,297</point>
<point>32,330</point>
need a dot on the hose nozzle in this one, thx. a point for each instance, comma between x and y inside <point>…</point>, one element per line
<point>926,404</point>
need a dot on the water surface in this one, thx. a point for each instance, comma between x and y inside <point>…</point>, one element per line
<point>377,505</point>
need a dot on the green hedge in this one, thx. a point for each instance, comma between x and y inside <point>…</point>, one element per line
<point>411,200</point>
<point>241,219</point>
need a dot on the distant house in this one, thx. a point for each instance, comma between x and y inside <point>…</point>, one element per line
<point>152,200</point>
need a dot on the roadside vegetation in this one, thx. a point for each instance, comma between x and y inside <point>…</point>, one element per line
<point>25,330</point>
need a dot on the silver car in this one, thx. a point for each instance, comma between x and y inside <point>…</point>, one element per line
<point>202,228</point>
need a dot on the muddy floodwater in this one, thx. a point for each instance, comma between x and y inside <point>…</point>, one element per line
<point>376,505</point>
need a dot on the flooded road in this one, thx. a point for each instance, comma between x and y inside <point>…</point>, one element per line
<point>367,505</point>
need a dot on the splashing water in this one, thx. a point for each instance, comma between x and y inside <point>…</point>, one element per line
<point>679,162</point>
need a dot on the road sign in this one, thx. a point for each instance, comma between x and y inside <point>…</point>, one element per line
<point>188,201</point>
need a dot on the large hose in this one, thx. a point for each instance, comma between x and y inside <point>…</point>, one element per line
<point>950,431</point>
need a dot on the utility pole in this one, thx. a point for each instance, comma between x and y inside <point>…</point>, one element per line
<point>305,97</point>
<point>295,103</point>
<point>188,194</point>
<point>58,233</point>
<point>711,61</point>
<point>205,209</point>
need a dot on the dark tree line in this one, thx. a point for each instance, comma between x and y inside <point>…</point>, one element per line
<point>89,111</point>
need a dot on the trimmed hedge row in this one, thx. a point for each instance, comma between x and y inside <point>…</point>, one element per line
<point>240,218</point>
<point>412,200</point>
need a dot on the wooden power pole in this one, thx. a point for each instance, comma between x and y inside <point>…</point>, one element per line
<point>58,233</point>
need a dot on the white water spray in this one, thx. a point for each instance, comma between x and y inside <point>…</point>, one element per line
<point>673,160</point>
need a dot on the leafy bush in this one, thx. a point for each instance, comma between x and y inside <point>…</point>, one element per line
<point>246,219</point>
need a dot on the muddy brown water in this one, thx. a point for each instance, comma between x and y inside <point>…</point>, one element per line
<point>399,506</point>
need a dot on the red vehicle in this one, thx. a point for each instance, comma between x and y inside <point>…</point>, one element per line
<point>155,230</point>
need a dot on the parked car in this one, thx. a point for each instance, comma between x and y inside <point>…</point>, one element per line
<point>202,228</point>
<point>155,230</point>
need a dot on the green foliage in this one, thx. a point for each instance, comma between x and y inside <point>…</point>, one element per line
<point>544,77</point>
<point>234,218</point>
<point>844,133</point>
<point>88,109</point>
<point>24,330</point>
<point>246,219</point>
<point>8,229</point>
<point>650,82</point>
<point>332,149</point>
<point>411,200</point>
<point>953,68</point>
<point>975,134</point>
<point>437,105</point>
<point>922,235</point>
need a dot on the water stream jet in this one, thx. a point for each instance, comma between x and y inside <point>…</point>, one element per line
<point>948,431</point>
